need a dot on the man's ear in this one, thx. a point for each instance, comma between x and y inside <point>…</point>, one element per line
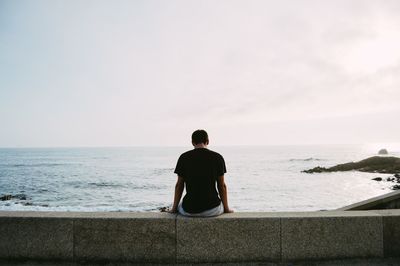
<point>207,142</point>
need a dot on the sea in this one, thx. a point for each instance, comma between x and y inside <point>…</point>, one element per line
<point>142,179</point>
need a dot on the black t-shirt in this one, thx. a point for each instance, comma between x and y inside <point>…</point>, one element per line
<point>200,168</point>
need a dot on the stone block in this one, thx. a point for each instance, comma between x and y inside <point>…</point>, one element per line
<point>228,238</point>
<point>391,235</point>
<point>36,238</point>
<point>326,236</point>
<point>132,237</point>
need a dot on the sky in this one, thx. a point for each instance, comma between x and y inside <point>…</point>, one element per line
<point>149,73</point>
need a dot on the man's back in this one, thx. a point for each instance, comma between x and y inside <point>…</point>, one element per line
<point>200,168</point>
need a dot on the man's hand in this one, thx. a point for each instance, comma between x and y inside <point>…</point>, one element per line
<point>223,193</point>
<point>173,210</point>
<point>228,211</point>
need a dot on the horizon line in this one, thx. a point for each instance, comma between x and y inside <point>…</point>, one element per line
<point>181,146</point>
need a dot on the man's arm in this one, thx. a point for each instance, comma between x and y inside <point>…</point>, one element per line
<point>223,193</point>
<point>178,193</point>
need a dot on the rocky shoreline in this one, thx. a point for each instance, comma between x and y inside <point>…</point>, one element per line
<point>375,164</point>
<point>393,179</point>
<point>16,196</point>
<point>22,198</point>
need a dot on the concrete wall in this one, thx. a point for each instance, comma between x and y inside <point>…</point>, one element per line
<point>167,238</point>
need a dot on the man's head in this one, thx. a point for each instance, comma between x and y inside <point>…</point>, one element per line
<point>200,136</point>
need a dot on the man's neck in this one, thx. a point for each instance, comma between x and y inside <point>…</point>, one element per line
<point>200,145</point>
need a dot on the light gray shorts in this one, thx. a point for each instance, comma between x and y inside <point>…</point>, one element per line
<point>207,213</point>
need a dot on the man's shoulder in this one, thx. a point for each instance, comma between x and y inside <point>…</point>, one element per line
<point>186,153</point>
<point>215,153</point>
<point>190,153</point>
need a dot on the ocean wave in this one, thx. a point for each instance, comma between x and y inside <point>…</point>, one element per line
<point>34,207</point>
<point>35,165</point>
<point>152,186</point>
<point>161,171</point>
<point>306,160</point>
<point>105,184</point>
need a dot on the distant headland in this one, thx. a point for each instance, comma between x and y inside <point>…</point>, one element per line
<point>375,164</point>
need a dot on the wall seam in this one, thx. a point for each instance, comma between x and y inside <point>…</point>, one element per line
<point>73,240</point>
<point>176,240</point>
<point>280,239</point>
<point>383,236</point>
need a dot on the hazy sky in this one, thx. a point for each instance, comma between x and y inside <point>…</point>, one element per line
<point>104,73</point>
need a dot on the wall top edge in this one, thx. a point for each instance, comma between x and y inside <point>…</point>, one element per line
<point>238,215</point>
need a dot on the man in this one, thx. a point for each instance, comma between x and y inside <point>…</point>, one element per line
<point>200,169</point>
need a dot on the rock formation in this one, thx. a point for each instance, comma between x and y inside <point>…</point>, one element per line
<point>383,152</point>
<point>376,164</point>
<point>5,197</point>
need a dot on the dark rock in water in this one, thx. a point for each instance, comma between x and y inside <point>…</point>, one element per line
<point>383,152</point>
<point>390,179</point>
<point>20,196</point>
<point>5,197</point>
<point>163,209</point>
<point>27,204</point>
<point>396,187</point>
<point>377,179</point>
<point>376,164</point>
<point>17,196</point>
<point>397,175</point>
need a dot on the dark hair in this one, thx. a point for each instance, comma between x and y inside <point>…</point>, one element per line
<point>200,136</point>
